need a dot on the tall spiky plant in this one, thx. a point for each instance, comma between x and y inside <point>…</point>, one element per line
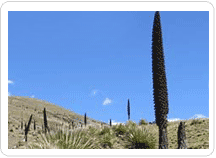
<point>45,121</point>
<point>110,123</point>
<point>128,109</point>
<point>34,124</point>
<point>27,128</point>
<point>22,124</point>
<point>72,124</point>
<point>22,118</point>
<point>85,121</point>
<point>181,136</point>
<point>159,82</point>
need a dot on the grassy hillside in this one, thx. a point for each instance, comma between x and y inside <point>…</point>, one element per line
<point>95,135</point>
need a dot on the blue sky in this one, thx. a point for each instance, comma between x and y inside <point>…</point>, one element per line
<point>94,62</point>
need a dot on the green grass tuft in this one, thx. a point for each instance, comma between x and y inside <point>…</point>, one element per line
<point>140,138</point>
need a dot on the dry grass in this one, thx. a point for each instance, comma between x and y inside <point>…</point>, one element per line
<point>117,137</point>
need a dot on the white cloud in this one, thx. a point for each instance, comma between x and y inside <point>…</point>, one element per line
<point>94,92</point>
<point>107,101</point>
<point>198,116</point>
<point>9,94</point>
<point>10,82</point>
<point>173,119</point>
<point>116,123</point>
<point>32,96</point>
<point>193,117</point>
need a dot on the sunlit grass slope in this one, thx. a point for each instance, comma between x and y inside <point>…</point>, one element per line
<point>94,135</point>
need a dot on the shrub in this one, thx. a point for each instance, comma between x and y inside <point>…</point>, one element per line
<point>140,138</point>
<point>143,122</point>
<point>120,129</point>
<point>195,121</point>
<point>77,139</point>
<point>105,130</point>
<point>130,125</point>
<point>93,131</point>
<point>108,139</point>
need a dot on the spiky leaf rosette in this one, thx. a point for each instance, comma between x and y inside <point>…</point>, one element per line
<point>128,109</point>
<point>159,75</point>
<point>181,136</point>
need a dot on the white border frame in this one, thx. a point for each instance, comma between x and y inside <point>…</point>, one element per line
<point>98,6</point>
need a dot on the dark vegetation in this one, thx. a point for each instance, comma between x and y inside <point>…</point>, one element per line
<point>159,82</point>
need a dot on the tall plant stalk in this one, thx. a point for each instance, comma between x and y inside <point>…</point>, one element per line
<point>128,109</point>
<point>45,121</point>
<point>159,82</point>
<point>182,136</point>
<point>72,124</point>
<point>85,120</point>
<point>27,128</point>
<point>34,124</point>
<point>22,124</point>
<point>22,118</point>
